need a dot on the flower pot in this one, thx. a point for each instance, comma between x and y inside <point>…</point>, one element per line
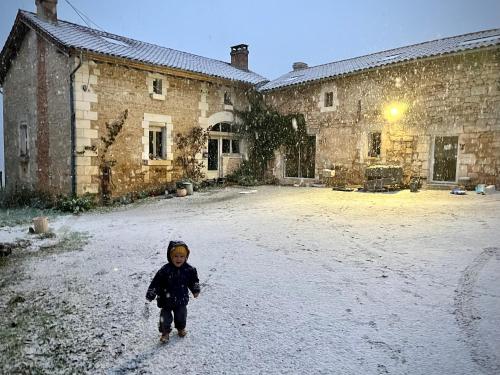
<point>41,224</point>
<point>189,187</point>
<point>181,192</point>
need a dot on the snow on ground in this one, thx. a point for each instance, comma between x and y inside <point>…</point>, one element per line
<point>294,281</point>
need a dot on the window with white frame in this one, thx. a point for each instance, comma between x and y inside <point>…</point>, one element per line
<point>329,99</point>
<point>23,139</point>
<point>156,142</point>
<point>158,86</point>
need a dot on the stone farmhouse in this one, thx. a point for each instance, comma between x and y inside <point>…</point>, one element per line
<point>432,108</point>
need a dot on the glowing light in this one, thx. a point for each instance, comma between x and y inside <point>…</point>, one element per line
<point>394,111</point>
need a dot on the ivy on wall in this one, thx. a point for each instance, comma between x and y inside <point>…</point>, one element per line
<point>113,129</point>
<point>266,131</point>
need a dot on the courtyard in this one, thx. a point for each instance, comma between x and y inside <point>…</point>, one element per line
<point>294,281</point>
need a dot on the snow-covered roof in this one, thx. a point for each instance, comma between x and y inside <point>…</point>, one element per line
<point>417,51</point>
<point>72,36</point>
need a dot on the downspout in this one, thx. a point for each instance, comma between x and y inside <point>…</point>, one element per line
<point>73,125</point>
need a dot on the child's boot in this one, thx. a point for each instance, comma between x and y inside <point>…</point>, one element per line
<point>182,332</point>
<point>164,337</point>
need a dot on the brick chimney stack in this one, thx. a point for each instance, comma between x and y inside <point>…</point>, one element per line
<point>239,56</point>
<point>47,9</point>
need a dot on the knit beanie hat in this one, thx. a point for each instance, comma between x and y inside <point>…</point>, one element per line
<point>175,246</point>
<point>178,249</point>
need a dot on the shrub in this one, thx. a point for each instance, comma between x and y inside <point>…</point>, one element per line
<point>76,204</point>
<point>23,197</point>
<point>245,175</point>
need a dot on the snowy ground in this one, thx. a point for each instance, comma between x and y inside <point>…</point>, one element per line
<point>294,281</point>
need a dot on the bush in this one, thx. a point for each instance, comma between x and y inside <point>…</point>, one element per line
<point>76,204</point>
<point>23,197</point>
<point>244,176</point>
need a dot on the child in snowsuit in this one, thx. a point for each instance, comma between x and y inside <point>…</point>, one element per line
<point>170,286</point>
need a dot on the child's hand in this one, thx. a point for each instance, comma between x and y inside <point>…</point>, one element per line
<point>195,295</point>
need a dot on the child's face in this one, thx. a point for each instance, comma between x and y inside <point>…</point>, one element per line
<point>178,259</point>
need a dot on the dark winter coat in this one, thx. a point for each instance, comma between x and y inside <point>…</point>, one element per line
<point>171,284</point>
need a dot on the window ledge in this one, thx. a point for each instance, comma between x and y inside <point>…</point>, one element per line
<point>228,107</point>
<point>328,109</point>
<point>157,162</point>
<point>157,96</point>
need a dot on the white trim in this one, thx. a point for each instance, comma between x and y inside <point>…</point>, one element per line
<point>328,87</point>
<point>153,120</point>
<point>164,86</point>
<point>220,117</point>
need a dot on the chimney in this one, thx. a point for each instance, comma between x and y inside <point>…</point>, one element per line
<point>299,66</point>
<point>47,10</point>
<point>239,56</point>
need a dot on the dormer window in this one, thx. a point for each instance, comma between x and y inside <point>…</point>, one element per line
<point>329,99</point>
<point>157,86</point>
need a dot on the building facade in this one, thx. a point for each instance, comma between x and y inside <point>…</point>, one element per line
<point>91,112</point>
<point>438,118</point>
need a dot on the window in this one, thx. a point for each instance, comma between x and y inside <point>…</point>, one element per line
<point>157,86</point>
<point>227,98</point>
<point>329,99</point>
<point>374,142</point>
<point>230,146</point>
<point>235,146</point>
<point>156,147</point>
<point>222,127</point>
<point>23,139</point>
<point>226,146</point>
<point>300,158</point>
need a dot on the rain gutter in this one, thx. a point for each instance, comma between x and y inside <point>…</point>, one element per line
<point>73,125</point>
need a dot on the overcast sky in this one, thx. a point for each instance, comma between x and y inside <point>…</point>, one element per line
<point>278,32</point>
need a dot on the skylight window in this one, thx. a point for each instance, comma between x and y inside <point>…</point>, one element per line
<point>115,41</point>
<point>480,40</point>
<point>391,57</point>
<point>293,78</point>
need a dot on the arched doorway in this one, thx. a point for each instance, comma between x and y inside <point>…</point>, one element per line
<point>224,150</point>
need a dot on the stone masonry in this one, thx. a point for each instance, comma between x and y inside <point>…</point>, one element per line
<point>448,96</point>
<point>112,88</point>
<point>33,102</point>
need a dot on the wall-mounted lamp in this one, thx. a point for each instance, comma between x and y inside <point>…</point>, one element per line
<point>394,111</point>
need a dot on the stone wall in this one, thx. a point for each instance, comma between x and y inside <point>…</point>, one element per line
<point>112,89</point>
<point>31,99</point>
<point>448,96</point>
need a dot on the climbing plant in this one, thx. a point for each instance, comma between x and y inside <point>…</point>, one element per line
<point>266,131</point>
<point>113,129</point>
<point>189,145</point>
